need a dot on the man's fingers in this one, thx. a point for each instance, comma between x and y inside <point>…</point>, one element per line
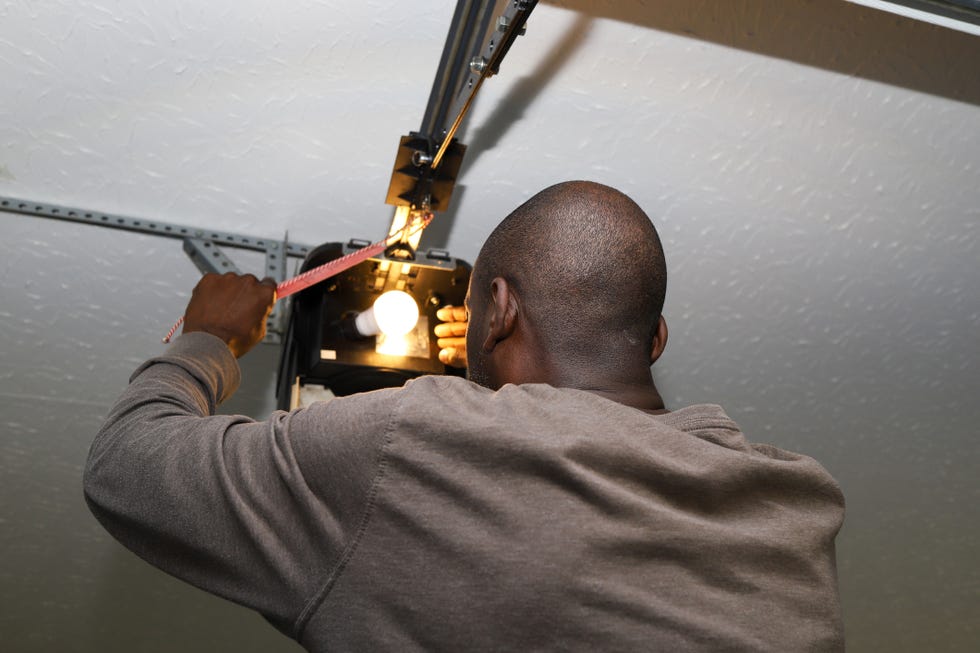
<point>451,335</point>
<point>446,356</point>
<point>450,329</point>
<point>452,314</point>
<point>458,343</point>
<point>271,283</point>
<point>452,356</point>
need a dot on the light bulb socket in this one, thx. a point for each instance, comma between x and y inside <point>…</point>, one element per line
<point>351,325</point>
<point>366,323</point>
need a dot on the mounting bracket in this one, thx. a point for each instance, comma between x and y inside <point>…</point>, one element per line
<point>202,246</point>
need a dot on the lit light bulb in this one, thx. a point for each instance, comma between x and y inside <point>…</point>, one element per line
<point>394,313</point>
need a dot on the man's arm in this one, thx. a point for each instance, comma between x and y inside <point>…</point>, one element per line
<point>258,512</point>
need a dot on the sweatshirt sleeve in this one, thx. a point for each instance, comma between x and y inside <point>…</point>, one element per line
<point>261,513</point>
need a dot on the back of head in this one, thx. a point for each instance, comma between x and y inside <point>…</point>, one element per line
<point>590,269</point>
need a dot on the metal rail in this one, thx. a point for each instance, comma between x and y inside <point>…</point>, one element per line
<point>428,161</point>
<point>509,26</point>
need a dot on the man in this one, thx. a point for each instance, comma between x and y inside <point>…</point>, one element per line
<point>550,502</point>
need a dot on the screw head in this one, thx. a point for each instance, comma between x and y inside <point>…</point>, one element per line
<point>478,64</point>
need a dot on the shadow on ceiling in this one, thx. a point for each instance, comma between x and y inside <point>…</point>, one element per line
<point>831,34</point>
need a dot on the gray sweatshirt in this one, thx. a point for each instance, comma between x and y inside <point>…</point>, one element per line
<point>443,516</point>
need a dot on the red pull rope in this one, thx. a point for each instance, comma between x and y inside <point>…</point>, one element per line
<point>332,268</point>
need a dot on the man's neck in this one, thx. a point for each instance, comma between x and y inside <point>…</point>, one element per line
<point>636,390</point>
<point>627,381</point>
<point>646,398</point>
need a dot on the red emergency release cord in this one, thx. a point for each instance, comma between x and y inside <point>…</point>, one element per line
<point>334,267</point>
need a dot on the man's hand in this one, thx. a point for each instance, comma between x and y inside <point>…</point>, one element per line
<point>452,335</point>
<point>233,307</point>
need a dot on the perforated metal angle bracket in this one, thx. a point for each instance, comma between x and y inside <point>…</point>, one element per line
<point>203,246</point>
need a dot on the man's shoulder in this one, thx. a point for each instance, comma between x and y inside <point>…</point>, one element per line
<point>430,396</point>
<point>456,394</point>
<point>443,383</point>
<point>545,414</point>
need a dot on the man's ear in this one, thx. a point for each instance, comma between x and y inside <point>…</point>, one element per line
<point>503,313</point>
<point>659,341</point>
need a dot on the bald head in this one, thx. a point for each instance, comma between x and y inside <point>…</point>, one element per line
<point>588,268</point>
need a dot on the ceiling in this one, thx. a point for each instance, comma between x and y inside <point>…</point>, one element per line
<point>812,166</point>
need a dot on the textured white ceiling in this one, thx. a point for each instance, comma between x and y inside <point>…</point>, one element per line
<point>813,168</point>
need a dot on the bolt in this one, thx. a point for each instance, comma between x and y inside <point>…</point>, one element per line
<point>478,64</point>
